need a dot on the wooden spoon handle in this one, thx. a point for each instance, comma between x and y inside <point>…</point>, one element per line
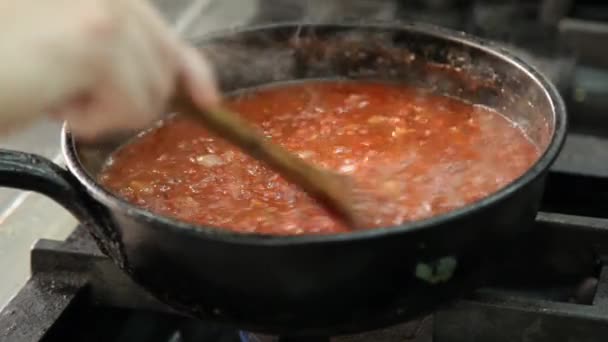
<point>331,189</point>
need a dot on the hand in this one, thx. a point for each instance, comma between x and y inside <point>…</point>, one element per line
<point>102,65</point>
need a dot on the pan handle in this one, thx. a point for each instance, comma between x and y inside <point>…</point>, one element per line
<point>31,172</point>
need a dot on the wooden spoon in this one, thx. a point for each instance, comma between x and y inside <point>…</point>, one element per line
<point>334,191</point>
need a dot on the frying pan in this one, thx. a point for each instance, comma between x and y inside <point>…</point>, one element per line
<point>322,285</point>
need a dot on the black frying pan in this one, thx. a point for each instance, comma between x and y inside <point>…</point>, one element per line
<point>322,285</point>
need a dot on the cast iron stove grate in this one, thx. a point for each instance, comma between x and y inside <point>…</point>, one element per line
<point>558,291</point>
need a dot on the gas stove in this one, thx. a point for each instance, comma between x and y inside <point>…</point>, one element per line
<point>555,287</point>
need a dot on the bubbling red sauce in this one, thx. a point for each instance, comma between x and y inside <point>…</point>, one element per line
<point>431,153</point>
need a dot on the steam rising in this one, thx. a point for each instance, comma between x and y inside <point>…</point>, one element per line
<point>312,11</point>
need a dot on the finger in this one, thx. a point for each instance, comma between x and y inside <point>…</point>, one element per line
<point>152,20</point>
<point>129,67</point>
<point>161,50</point>
<point>108,112</point>
<point>130,96</point>
<point>186,61</point>
<point>137,82</point>
<point>79,103</point>
<point>197,78</point>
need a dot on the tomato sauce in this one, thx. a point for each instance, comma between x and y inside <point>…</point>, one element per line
<point>431,153</point>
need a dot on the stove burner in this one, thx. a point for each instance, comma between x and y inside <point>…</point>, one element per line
<point>76,293</point>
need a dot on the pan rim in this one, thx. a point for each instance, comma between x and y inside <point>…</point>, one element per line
<point>558,136</point>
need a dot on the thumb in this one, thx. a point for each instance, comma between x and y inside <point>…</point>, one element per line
<point>196,77</point>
